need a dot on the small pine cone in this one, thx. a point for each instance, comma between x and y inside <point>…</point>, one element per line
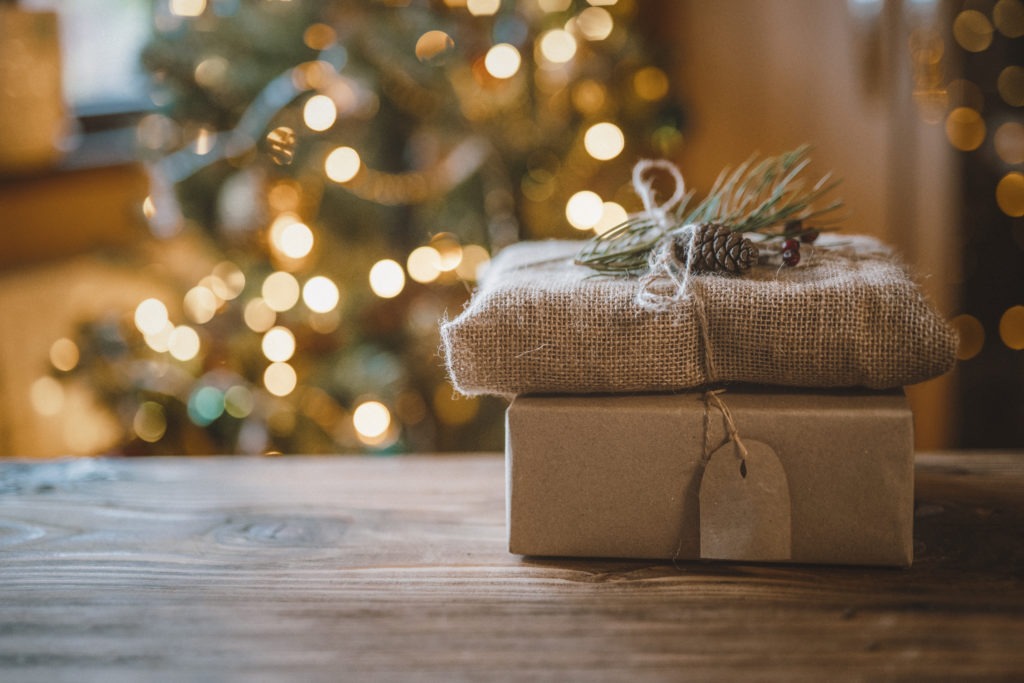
<point>717,249</point>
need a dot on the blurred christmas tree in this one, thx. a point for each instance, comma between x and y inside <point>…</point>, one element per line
<point>352,164</point>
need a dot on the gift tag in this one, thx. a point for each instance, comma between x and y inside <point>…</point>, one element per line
<point>744,505</point>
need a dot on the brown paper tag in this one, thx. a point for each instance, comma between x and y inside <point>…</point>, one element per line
<point>744,505</point>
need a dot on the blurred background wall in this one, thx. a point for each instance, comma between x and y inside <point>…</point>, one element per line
<point>916,104</point>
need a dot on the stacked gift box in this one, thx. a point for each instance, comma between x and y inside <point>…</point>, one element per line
<point>755,417</point>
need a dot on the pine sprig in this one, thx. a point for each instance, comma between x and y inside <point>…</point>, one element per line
<point>757,196</point>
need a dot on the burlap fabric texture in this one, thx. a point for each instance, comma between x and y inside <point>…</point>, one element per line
<point>849,316</point>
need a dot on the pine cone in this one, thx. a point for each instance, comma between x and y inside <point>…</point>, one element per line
<point>717,249</point>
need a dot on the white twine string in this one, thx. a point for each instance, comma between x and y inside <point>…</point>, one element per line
<point>663,263</point>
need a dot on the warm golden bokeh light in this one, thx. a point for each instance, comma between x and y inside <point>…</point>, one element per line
<point>595,23</point>
<point>474,261</point>
<point>238,401</point>
<point>320,294</point>
<point>557,46</point>
<point>1008,16</point>
<point>187,8</point>
<point>280,379</point>
<point>971,334</point>
<point>228,280</point>
<point>200,304</point>
<point>1009,142</point>
<point>584,209</point>
<point>296,240</point>
<point>1010,194</point>
<point>387,279</point>
<point>612,214</point>
<point>965,129</point>
<point>46,395</point>
<point>554,5</point>
<point>160,340</point>
<point>1011,85</point>
<point>483,8</point>
<point>371,419</point>
<point>1011,328</point>
<point>588,96</point>
<point>64,354</point>
<point>183,343</point>
<point>319,36</point>
<point>424,264</point>
<point>150,316</point>
<point>319,113</point>
<point>258,316</point>
<point>280,291</point>
<point>502,61</point>
<point>278,344</point>
<point>604,141</point>
<point>433,43</point>
<point>972,30</point>
<point>650,83</point>
<point>342,164</point>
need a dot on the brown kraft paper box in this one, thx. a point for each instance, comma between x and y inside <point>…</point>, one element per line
<point>622,476</point>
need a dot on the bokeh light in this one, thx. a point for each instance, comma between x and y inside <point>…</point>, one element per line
<point>64,354</point>
<point>319,36</point>
<point>150,422</point>
<point>971,334</point>
<point>150,316</point>
<point>502,61</point>
<point>371,419</point>
<point>319,113</point>
<point>1011,85</point>
<point>965,129</point>
<point>387,279</point>
<point>449,249</point>
<point>972,30</point>
<point>160,340</point>
<point>604,141</point>
<point>424,264</point>
<point>205,405</point>
<point>278,344</point>
<point>584,209</point>
<point>1011,327</point>
<point>280,379</point>
<point>183,343</point>
<point>295,240</point>
<point>46,395</point>
<point>258,316</point>
<point>612,214</point>
<point>1010,194</point>
<point>187,8</point>
<point>280,291</point>
<point>650,83</point>
<point>1008,16</point>
<point>239,401</point>
<point>589,96</point>
<point>595,23</point>
<point>320,294</point>
<point>1009,142</point>
<point>475,260</point>
<point>433,43</point>
<point>557,46</point>
<point>554,5</point>
<point>483,8</point>
<point>200,304</point>
<point>228,282</point>
<point>281,144</point>
<point>342,164</point>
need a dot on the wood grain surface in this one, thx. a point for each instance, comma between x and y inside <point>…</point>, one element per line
<point>395,569</point>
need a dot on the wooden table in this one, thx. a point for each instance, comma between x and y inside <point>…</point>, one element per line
<point>394,568</point>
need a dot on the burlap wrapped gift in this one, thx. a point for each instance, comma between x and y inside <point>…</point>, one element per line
<point>848,316</point>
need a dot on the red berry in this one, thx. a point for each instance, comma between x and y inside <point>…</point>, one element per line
<point>791,245</point>
<point>791,257</point>
<point>809,236</point>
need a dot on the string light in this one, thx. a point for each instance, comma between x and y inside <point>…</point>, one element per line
<point>258,316</point>
<point>557,46</point>
<point>483,8</point>
<point>200,304</point>
<point>160,340</point>
<point>595,23</point>
<point>183,343</point>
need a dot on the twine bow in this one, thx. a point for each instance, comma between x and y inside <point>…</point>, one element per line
<point>663,263</point>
